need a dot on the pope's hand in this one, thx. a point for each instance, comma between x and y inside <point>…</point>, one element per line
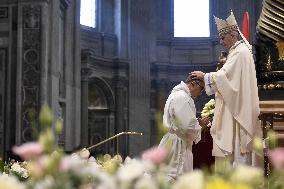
<point>197,75</point>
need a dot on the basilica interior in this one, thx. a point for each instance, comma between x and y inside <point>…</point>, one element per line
<point>115,73</point>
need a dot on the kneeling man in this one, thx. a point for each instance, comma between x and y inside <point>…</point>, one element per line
<point>184,128</point>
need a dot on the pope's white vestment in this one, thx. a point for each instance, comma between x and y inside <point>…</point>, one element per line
<point>235,121</point>
<point>180,117</point>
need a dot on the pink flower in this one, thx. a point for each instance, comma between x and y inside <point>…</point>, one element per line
<point>65,164</point>
<point>28,151</point>
<point>155,155</point>
<point>276,157</point>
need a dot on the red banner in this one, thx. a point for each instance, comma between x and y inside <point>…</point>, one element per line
<point>245,26</point>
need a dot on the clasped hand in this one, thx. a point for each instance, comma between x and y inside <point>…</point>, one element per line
<point>203,122</point>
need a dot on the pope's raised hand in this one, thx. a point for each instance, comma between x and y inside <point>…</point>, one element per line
<point>197,75</point>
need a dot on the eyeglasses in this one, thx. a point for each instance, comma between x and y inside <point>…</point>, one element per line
<point>201,87</point>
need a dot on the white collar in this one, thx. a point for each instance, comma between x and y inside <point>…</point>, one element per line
<point>234,46</point>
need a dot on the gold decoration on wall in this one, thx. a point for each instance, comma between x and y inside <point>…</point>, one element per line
<point>269,64</point>
<point>271,86</point>
<point>280,46</point>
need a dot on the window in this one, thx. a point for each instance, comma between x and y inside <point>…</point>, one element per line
<point>88,13</point>
<point>191,18</point>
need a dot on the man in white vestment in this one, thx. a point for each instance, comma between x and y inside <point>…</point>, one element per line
<point>235,121</point>
<point>184,128</point>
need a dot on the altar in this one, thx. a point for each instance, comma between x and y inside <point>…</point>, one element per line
<point>272,117</point>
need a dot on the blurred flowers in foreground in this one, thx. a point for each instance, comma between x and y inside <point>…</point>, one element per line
<point>28,151</point>
<point>15,169</point>
<point>277,158</point>
<point>46,166</point>
<point>156,155</point>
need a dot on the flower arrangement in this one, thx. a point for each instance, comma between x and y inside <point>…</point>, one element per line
<point>208,110</point>
<point>16,169</point>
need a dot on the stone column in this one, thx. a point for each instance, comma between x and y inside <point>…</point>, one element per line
<point>162,94</point>
<point>85,71</point>
<point>141,42</point>
<point>84,106</point>
<point>29,66</point>
<point>119,116</point>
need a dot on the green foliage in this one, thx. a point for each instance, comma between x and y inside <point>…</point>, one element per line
<point>2,164</point>
<point>45,116</point>
<point>32,120</point>
<point>272,139</point>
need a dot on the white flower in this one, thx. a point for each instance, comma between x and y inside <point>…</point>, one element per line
<point>193,180</point>
<point>45,183</point>
<point>211,102</point>
<point>76,164</point>
<point>106,181</point>
<point>210,105</point>
<point>16,167</point>
<point>206,107</point>
<point>206,114</point>
<point>127,160</point>
<point>84,153</point>
<point>93,162</point>
<point>247,174</point>
<point>86,169</point>
<point>145,183</point>
<point>133,169</point>
<point>10,182</point>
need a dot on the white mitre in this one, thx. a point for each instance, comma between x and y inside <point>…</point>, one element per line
<point>225,26</point>
<point>228,25</point>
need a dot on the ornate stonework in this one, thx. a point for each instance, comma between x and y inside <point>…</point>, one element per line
<point>31,67</point>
